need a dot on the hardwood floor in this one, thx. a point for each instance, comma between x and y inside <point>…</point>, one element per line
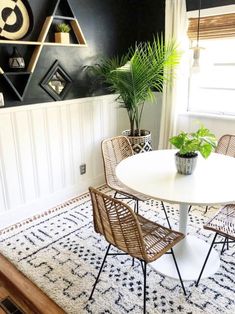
<point>6,294</point>
<point>26,296</point>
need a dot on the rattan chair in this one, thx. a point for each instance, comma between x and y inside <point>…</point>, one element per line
<point>223,224</point>
<point>225,146</point>
<point>114,150</point>
<point>131,233</point>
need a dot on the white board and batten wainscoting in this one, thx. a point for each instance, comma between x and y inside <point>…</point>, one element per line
<point>42,147</point>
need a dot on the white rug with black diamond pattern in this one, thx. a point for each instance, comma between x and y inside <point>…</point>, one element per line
<point>60,252</point>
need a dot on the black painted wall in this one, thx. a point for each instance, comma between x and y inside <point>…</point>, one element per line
<point>103,24</point>
<point>109,26</point>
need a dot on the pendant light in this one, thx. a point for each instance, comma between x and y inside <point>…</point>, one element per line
<point>197,49</point>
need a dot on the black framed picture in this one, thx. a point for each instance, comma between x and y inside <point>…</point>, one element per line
<point>56,82</point>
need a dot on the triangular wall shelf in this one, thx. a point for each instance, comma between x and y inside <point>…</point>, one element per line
<point>63,8</point>
<point>19,81</point>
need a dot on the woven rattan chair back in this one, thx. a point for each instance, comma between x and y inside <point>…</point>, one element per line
<point>226,145</point>
<point>118,223</point>
<point>132,234</point>
<point>114,150</point>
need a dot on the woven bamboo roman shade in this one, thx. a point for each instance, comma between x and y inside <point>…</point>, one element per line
<point>217,26</point>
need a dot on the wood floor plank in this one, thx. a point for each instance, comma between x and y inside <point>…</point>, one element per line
<point>34,297</point>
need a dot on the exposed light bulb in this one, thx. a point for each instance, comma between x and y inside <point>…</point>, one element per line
<point>196,64</point>
<point>196,59</point>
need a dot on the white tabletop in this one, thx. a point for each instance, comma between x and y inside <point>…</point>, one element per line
<point>154,174</point>
<point>212,183</point>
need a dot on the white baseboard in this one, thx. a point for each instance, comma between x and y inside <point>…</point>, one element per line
<point>15,215</point>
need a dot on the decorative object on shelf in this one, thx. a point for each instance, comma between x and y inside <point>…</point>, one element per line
<point>134,75</point>
<point>18,81</point>
<point>62,33</point>
<point>202,141</point>
<point>16,61</point>
<point>1,100</point>
<point>16,19</point>
<point>56,82</point>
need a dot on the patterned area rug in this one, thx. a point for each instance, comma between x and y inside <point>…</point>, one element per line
<point>60,252</point>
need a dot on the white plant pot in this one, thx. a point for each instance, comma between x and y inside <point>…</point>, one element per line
<point>185,165</point>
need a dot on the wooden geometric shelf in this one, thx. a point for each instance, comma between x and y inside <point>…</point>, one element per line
<point>19,81</point>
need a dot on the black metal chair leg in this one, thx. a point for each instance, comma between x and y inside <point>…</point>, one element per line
<point>101,267</point>
<point>225,242</point>
<point>167,219</point>
<point>208,254</point>
<point>137,206</point>
<point>141,263</point>
<point>189,208</point>
<point>144,290</point>
<point>222,250</point>
<point>177,268</point>
<point>133,261</point>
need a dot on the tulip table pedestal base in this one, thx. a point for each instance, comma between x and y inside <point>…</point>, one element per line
<point>190,254</point>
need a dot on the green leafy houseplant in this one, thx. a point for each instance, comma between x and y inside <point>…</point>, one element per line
<point>202,141</point>
<point>63,28</point>
<point>136,74</point>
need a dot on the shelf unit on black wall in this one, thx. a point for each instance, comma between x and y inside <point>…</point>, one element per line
<point>19,81</point>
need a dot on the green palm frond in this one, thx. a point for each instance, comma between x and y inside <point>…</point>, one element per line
<point>134,75</point>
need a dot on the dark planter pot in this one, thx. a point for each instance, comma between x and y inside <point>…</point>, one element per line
<point>185,165</point>
<point>142,143</point>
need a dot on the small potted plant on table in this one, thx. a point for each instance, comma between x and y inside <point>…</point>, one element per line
<point>62,33</point>
<point>202,141</point>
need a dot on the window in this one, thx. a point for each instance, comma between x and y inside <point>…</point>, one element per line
<point>212,89</point>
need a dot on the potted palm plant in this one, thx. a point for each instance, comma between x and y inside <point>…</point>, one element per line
<point>134,76</point>
<point>202,141</point>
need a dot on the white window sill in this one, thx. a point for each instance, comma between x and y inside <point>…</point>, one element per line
<point>207,115</point>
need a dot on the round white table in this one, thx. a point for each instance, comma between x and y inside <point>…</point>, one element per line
<point>212,183</point>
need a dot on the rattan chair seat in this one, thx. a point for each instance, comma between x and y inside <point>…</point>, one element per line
<point>120,188</point>
<point>223,222</point>
<point>157,238</point>
<point>131,233</point>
